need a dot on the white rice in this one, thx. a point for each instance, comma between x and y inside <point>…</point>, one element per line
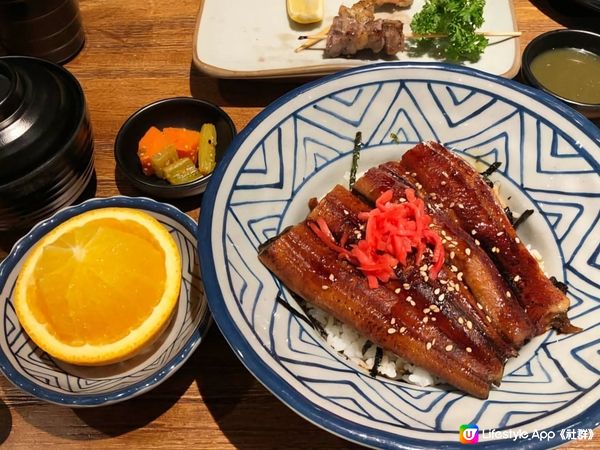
<point>346,340</point>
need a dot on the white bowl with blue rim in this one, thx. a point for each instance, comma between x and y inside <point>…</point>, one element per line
<point>301,145</point>
<point>34,371</point>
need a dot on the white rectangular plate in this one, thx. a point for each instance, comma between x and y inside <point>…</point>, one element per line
<point>255,39</point>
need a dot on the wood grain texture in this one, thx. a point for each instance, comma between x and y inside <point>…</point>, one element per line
<point>138,51</point>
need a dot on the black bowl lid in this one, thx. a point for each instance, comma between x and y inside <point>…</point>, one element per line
<point>40,107</point>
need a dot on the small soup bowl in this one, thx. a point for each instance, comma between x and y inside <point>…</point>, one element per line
<point>578,39</point>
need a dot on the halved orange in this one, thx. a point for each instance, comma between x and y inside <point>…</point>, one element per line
<point>100,286</point>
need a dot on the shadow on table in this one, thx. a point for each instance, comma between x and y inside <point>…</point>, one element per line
<point>238,92</point>
<point>5,422</point>
<point>247,414</point>
<point>570,14</point>
<point>107,421</point>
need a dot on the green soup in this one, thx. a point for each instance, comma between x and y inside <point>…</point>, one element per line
<point>570,73</point>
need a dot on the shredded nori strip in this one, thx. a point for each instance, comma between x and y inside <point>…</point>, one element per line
<point>522,218</point>
<point>367,345</point>
<point>294,311</point>
<point>377,362</point>
<point>562,287</point>
<point>509,215</point>
<point>355,157</point>
<point>490,170</point>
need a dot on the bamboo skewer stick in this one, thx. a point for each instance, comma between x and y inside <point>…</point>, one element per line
<point>322,34</point>
<point>312,40</point>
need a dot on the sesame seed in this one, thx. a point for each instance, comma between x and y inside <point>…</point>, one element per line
<point>453,268</point>
<point>450,289</point>
<point>468,251</point>
<point>500,233</point>
<point>346,212</point>
<point>426,311</point>
<point>437,291</point>
<point>469,349</point>
<point>429,346</point>
<point>393,321</point>
<point>406,286</point>
<point>391,330</point>
<point>461,320</point>
<point>425,319</point>
<point>397,290</point>
<point>443,282</point>
<point>441,297</point>
<point>433,341</point>
<point>412,303</point>
<point>419,185</point>
<point>449,348</point>
<point>425,278</point>
<point>402,330</point>
<point>435,308</point>
<point>331,277</point>
<point>324,287</point>
<point>443,183</point>
<point>479,305</point>
<point>477,242</point>
<point>452,205</point>
<point>452,254</point>
<point>461,206</point>
<point>459,276</point>
<point>423,268</point>
<point>473,232</point>
<point>409,299</point>
<point>508,294</point>
<point>433,319</point>
<point>444,241</point>
<point>488,318</point>
<point>516,278</point>
<point>469,325</point>
<point>517,240</point>
<point>414,174</point>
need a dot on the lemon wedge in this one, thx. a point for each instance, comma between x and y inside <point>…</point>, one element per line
<point>305,11</point>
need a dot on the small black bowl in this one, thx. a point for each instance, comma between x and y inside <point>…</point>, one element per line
<point>183,112</point>
<point>580,39</point>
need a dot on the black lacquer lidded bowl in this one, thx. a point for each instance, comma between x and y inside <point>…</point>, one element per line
<point>46,144</point>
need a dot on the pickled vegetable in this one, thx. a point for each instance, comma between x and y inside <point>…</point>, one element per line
<point>186,141</point>
<point>181,171</point>
<point>207,149</point>
<point>151,143</point>
<point>162,159</point>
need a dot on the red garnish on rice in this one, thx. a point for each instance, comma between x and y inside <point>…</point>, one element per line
<point>393,230</point>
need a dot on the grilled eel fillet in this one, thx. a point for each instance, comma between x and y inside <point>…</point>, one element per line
<point>475,208</point>
<point>493,296</point>
<point>442,333</point>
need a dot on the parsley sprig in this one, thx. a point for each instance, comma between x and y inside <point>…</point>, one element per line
<point>459,21</point>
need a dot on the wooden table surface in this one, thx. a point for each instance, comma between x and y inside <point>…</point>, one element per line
<point>138,51</point>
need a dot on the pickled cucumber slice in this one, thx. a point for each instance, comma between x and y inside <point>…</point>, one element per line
<point>181,171</point>
<point>162,159</point>
<point>207,149</point>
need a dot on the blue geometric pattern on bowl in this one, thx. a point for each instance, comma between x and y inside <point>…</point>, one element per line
<point>301,145</point>
<point>31,369</point>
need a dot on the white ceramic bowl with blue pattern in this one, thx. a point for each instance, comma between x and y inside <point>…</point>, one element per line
<point>301,145</point>
<point>31,369</point>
